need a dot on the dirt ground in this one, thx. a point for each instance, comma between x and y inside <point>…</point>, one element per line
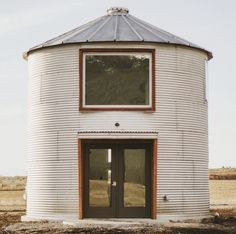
<point>8,218</point>
<point>225,224</point>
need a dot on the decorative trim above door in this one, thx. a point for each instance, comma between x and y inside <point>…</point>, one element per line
<point>118,134</point>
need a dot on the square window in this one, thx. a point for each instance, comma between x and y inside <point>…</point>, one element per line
<point>113,79</point>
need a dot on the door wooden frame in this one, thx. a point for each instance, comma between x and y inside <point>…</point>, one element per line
<point>154,143</point>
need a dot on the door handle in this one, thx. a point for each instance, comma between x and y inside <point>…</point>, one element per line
<point>113,184</point>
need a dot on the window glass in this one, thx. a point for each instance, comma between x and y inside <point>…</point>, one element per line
<point>117,79</point>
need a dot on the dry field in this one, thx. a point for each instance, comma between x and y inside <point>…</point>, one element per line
<point>12,201</point>
<point>223,193</point>
<point>12,190</point>
<point>222,174</point>
<point>222,199</point>
<point>222,190</point>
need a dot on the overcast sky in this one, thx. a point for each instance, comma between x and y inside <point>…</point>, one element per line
<point>26,23</point>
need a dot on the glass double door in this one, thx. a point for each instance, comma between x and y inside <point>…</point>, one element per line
<point>117,180</point>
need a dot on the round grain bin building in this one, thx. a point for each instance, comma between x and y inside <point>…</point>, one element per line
<point>118,123</point>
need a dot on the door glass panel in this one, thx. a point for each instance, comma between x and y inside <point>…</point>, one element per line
<point>134,178</point>
<point>100,177</point>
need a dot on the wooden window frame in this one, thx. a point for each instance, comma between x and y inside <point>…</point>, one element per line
<point>120,50</point>
<point>154,158</point>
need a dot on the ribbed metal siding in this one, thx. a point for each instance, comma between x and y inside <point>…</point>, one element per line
<point>54,121</point>
<point>53,125</point>
<point>183,132</point>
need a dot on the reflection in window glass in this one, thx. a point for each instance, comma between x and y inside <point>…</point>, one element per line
<point>117,79</point>
<point>100,177</point>
<point>134,181</point>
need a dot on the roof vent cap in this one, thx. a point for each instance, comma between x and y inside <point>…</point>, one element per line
<point>114,10</point>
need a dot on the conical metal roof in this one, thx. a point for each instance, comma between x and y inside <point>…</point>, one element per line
<point>117,26</point>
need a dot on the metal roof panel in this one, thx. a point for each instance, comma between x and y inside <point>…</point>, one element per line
<point>118,25</point>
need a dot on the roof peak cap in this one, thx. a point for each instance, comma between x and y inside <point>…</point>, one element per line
<point>115,10</point>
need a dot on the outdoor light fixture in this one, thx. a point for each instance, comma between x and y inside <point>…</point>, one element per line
<point>165,198</point>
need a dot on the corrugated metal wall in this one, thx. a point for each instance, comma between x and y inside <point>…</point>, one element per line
<point>55,120</point>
